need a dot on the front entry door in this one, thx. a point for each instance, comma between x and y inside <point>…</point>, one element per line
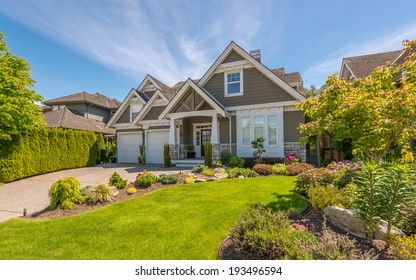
<point>205,137</point>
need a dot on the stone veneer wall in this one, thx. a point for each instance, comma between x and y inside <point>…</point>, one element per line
<point>295,148</point>
<point>173,150</point>
<point>183,148</point>
<point>226,148</point>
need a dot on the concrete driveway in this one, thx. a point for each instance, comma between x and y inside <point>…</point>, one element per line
<point>32,193</point>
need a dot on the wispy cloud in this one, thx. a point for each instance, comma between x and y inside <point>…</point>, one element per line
<point>140,37</point>
<point>317,73</point>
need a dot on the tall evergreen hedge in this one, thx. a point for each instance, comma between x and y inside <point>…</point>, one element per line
<point>48,150</point>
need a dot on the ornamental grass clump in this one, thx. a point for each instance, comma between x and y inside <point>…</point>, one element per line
<point>65,193</point>
<point>280,169</point>
<point>99,194</point>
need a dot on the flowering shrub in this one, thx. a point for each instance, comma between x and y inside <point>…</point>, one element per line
<point>131,190</point>
<point>263,169</point>
<point>189,180</point>
<point>344,172</point>
<point>291,158</point>
<point>313,177</point>
<point>298,168</point>
<point>146,179</point>
<point>344,164</point>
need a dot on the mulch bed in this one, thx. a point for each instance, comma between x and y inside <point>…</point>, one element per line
<point>49,213</point>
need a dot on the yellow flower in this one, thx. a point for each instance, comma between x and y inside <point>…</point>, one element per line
<point>408,157</point>
<point>354,152</point>
<point>189,180</point>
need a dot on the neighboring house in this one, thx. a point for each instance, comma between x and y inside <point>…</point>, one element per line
<point>236,101</point>
<point>83,111</point>
<point>359,67</point>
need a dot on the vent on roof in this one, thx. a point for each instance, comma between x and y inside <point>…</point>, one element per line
<point>256,54</point>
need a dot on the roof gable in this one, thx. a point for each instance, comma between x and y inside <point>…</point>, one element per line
<point>184,93</point>
<point>158,96</point>
<point>234,48</point>
<point>124,105</point>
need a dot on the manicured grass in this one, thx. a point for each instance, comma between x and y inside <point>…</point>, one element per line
<point>182,222</point>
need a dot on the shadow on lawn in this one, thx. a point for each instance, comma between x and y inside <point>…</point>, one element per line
<point>290,201</point>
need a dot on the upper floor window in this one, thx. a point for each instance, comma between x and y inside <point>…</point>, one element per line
<point>233,83</point>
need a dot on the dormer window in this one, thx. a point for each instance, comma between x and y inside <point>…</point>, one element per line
<point>233,83</point>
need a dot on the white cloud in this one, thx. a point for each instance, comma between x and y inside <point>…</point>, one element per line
<point>317,73</point>
<point>172,40</point>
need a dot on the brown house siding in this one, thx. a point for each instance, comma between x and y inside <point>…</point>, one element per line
<point>257,89</point>
<point>125,117</point>
<point>225,130</point>
<point>154,113</point>
<point>233,56</point>
<point>292,119</point>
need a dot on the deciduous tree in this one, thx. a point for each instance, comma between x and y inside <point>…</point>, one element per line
<point>18,111</point>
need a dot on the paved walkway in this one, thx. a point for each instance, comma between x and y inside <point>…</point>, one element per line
<point>32,193</point>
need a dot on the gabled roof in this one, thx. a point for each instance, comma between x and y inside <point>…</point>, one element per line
<point>147,107</point>
<point>203,93</point>
<point>165,90</point>
<point>176,87</point>
<point>363,65</point>
<point>97,99</point>
<point>258,65</point>
<point>65,118</point>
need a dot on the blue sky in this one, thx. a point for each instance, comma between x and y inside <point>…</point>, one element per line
<point>109,46</point>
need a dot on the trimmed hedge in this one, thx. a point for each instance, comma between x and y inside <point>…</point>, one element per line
<point>47,150</point>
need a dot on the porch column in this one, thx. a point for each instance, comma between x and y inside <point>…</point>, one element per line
<point>172,132</point>
<point>214,130</point>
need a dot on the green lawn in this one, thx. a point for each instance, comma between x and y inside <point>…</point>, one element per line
<point>182,222</point>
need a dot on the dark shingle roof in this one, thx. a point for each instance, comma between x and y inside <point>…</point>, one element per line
<point>84,97</point>
<point>363,65</point>
<point>65,118</point>
<point>294,79</point>
<point>176,87</point>
<point>167,91</point>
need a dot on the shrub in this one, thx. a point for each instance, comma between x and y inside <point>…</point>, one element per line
<point>142,157</point>
<point>236,161</point>
<point>131,190</point>
<point>258,147</point>
<point>246,172</point>
<point>298,168</point>
<point>208,154</point>
<point>323,196</point>
<point>208,172</point>
<point>280,169</point>
<point>166,156</point>
<point>404,248</point>
<point>167,179</point>
<point>263,169</point>
<point>410,224</point>
<point>218,163</point>
<point>199,168</point>
<point>333,246</point>
<point>261,234</point>
<point>98,194</point>
<point>226,156</point>
<point>65,193</point>
<point>146,179</point>
<point>313,177</point>
<point>117,181</point>
<point>85,190</point>
<point>291,158</point>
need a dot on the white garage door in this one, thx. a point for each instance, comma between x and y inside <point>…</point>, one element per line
<point>155,142</point>
<point>128,146</point>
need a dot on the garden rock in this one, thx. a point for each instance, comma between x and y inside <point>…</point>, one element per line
<point>348,220</point>
<point>199,180</point>
<point>221,176</point>
<point>114,191</point>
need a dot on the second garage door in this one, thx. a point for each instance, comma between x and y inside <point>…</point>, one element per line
<point>155,140</point>
<point>128,144</point>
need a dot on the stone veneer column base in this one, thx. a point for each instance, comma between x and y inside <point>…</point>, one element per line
<point>216,152</point>
<point>173,150</point>
<point>295,148</point>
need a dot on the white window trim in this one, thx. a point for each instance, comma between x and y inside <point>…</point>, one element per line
<point>226,84</point>
<point>250,128</point>
<point>277,130</point>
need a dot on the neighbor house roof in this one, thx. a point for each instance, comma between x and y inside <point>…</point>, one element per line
<point>363,65</point>
<point>294,79</point>
<point>85,97</point>
<point>65,118</point>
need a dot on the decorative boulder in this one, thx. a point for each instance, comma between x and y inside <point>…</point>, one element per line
<point>199,180</point>
<point>348,220</point>
<point>114,191</point>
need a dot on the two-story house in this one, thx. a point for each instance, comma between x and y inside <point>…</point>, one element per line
<point>82,111</point>
<point>236,101</point>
